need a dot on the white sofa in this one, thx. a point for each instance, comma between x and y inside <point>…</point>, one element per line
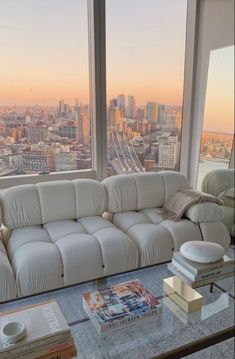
<point>58,236</point>
<point>135,202</point>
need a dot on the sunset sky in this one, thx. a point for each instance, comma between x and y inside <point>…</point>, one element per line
<point>44,53</point>
<point>219,107</point>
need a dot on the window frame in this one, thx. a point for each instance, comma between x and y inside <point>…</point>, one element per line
<point>98,114</point>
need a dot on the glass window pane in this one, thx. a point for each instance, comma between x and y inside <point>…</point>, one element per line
<point>218,125</point>
<point>145,69</point>
<point>44,119</point>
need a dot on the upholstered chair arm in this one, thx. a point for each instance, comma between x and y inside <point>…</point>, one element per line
<point>205,212</point>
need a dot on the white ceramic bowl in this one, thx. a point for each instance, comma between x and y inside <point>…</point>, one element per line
<point>202,251</point>
<point>13,332</point>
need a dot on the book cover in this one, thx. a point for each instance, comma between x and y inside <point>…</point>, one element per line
<point>120,305</point>
<point>199,283</point>
<point>206,274</point>
<point>200,268</point>
<point>66,353</point>
<point>45,324</point>
<point>45,350</point>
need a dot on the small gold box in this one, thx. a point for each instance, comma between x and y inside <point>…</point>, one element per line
<point>182,294</point>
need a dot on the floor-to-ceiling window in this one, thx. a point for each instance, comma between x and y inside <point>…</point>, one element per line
<point>44,110</point>
<point>145,73</point>
<point>218,125</point>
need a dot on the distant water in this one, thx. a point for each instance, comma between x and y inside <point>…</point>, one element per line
<point>207,166</point>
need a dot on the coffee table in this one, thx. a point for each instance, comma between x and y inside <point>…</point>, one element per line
<point>173,334</point>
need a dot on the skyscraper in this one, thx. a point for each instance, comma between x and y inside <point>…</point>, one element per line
<point>121,102</point>
<point>161,114</point>
<point>61,106</point>
<point>169,151</point>
<point>152,111</point>
<point>114,117</point>
<point>131,107</point>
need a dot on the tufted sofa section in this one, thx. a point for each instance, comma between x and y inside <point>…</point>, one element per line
<point>136,203</point>
<point>58,237</point>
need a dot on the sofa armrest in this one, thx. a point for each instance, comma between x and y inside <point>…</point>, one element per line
<point>228,197</point>
<point>8,289</point>
<point>205,212</point>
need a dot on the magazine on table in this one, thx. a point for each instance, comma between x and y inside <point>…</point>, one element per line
<point>120,305</point>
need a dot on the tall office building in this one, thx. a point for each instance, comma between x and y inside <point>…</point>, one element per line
<point>140,113</point>
<point>131,107</point>
<point>121,102</point>
<point>152,114</point>
<point>169,151</point>
<point>114,116</point>
<point>161,114</point>
<point>152,111</point>
<point>61,106</point>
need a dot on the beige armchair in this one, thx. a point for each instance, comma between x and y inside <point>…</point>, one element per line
<point>220,183</point>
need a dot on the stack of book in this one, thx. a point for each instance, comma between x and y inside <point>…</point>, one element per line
<point>199,274</point>
<point>121,305</point>
<point>47,333</point>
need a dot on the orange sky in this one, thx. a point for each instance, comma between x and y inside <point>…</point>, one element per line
<point>219,106</point>
<point>44,58</point>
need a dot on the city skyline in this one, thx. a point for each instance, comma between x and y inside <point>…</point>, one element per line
<point>34,70</point>
<point>39,139</point>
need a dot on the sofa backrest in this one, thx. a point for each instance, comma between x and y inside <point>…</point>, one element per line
<point>218,181</point>
<point>142,190</point>
<point>30,205</point>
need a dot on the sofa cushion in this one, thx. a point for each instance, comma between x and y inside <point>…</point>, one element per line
<point>38,268</point>
<point>155,215</point>
<point>215,232</point>
<point>91,199</point>
<point>81,257</point>
<point>121,192</point>
<point>94,224</point>
<point>154,243</point>
<point>205,212</point>
<point>126,220</point>
<point>173,181</point>
<point>142,190</point>
<point>21,236</point>
<point>57,200</point>
<point>182,231</point>
<point>21,206</point>
<point>119,252</point>
<point>71,251</point>
<point>150,190</point>
<point>155,237</point>
<point>59,229</point>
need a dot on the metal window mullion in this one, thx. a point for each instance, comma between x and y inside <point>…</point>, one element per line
<point>189,87</point>
<point>97,81</point>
